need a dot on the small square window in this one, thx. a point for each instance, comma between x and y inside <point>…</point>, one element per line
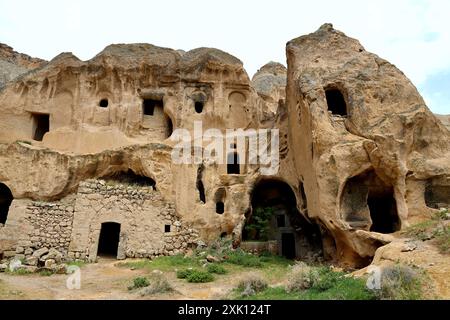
<point>167,228</point>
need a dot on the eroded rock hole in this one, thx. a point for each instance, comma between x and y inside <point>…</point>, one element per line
<point>336,102</point>
<point>6,198</point>
<point>368,203</point>
<point>383,210</point>
<point>219,198</point>
<point>437,196</point>
<point>41,125</point>
<point>233,166</point>
<point>108,242</point>
<point>131,178</point>
<point>200,186</point>
<point>199,106</point>
<point>220,207</point>
<point>275,218</point>
<point>169,126</point>
<point>104,103</point>
<point>149,105</point>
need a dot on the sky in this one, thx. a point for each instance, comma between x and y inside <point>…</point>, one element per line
<point>412,34</point>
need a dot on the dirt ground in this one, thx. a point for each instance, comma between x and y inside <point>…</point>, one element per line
<point>107,281</point>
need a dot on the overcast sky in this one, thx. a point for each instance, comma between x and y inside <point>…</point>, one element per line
<point>412,34</point>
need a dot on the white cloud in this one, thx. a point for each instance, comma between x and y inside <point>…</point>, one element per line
<point>413,34</point>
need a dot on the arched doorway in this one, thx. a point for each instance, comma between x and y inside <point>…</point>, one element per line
<point>108,242</point>
<point>274,217</point>
<point>6,198</point>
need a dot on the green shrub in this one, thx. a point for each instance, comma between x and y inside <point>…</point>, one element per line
<point>400,282</point>
<point>199,277</point>
<point>158,284</point>
<point>301,278</point>
<point>216,268</point>
<point>241,258</point>
<point>327,279</point>
<point>252,285</point>
<point>183,274</point>
<point>139,282</point>
<point>258,226</point>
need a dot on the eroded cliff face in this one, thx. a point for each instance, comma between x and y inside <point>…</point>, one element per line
<point>445,119</point>
<point>365,145</point>
<point>360,154</point>
<point>71,121</point>
<point>14,64</point>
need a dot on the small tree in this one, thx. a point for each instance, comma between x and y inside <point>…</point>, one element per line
<point>258,226</point>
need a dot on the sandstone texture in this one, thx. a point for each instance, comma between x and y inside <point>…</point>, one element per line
<point>14,64</point>
<point>445,119</point>
<point>87,145</point>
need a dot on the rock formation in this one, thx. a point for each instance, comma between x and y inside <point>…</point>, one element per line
<point>13,64</point>
<point>86,152</point>
<point>445,119</point>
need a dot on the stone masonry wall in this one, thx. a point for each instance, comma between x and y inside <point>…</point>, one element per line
<point>142,213</point>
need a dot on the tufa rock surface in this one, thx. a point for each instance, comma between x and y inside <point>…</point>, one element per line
<point>86,150</point>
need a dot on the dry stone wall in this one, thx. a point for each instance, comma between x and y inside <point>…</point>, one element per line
<point>144,217</point>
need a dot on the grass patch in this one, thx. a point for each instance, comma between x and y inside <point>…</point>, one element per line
<point>313,283</point>
<point>346,289</point>
<point>19,272</point>
<point>242,258</point>
<point>443,239</point>
<point>421,231</point>
<point>169,263</point>
<point>46,273</point>
<point>78,263</point>
<point>437,228</point>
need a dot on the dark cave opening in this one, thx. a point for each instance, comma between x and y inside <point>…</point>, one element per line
<point>108,242</point>
<point>104,103</point>
<point>198,106</point>
<point>129,177</point>
<point>336,102</point>
<point>6,198</point>
<point>149,105</point>
<point>41,125</point>
<point>275,217</point>
<point>368,203</point>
